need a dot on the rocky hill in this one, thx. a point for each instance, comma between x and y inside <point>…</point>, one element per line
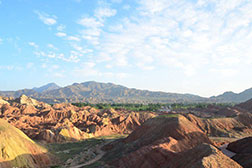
<point>166,141</point>
<point>17,150</point>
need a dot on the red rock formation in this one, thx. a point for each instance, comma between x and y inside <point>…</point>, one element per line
<point>65,122</point>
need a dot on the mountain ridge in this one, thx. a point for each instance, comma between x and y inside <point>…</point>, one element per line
<point>47,87</point>
<point>97,92</point>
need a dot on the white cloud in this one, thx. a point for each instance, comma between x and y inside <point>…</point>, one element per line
<point>61,34</point>
<point>183,35</point>
<point>81,49</point>
<point>52,46</point>
<point>104,12</point>
<point>73,38</point>
<point>90,22</point>
<point>1,41</point>
<point>46,19</point>
<point>153,6</point>
<point>33,44</point>
<point>93,25</point>
<point>73,56</point>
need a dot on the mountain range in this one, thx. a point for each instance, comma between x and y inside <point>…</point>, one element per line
<point>96,92</point>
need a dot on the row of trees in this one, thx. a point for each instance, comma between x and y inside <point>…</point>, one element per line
<point>150,107</point>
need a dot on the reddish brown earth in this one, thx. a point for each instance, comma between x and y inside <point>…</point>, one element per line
<point>166,142</point>
<point>238,126</point>
<point>243,150</point>
<point>65,122</point>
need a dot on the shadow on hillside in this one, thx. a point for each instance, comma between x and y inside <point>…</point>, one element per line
<point>44,160</point>
<point>122,148</point>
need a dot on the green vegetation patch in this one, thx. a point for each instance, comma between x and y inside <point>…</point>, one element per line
<point>126,106</point>
<point>64,151</point>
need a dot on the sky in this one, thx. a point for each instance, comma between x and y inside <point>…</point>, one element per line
<point>202,47</point>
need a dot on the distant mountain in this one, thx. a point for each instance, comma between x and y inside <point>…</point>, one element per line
<point>233,97</point>
<point>49,86</point>
<point>96,92</point>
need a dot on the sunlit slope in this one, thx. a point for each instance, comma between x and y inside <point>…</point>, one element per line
<point>17,150</point>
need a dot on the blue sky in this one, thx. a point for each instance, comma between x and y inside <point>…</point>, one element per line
<point>186,46</point>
